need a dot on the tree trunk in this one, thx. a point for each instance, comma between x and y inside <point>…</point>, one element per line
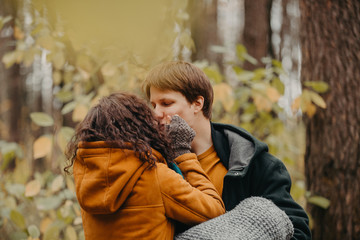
<point>257,31</point>
<point>330,34</point>
<point>10,80</point>
<point>204,30</point>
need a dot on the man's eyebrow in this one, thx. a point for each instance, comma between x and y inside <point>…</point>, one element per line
<point>163,99</point>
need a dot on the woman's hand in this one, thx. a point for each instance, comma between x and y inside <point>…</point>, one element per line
<point>181,135</point>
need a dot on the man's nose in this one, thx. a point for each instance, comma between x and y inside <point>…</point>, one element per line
<point>158,113</point>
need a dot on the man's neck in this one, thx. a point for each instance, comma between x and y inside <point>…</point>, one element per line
<point>202,140</point>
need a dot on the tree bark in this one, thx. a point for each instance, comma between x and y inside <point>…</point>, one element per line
<point>204,30</point>
<point>10,80</point>
<point>330,33</point>
<point>257,31</point>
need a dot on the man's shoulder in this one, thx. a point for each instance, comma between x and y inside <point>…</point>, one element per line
<point>235,146</point>
<point>222,126</point>
<point>222,129</point>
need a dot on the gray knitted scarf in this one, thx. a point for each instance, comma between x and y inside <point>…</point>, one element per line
<point>253,218</point>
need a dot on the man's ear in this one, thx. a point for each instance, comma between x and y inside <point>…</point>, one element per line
<point>198,104</point>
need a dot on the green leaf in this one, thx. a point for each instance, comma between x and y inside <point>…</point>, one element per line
<point>81,235</point>
<point>279,85</point>
<point>319,201</point>
<point>259,73</point>
<point>218,49</point>
<point>266,60</point>
<point>186,40</point>
<point>9,59</point>
<point>245,76</point>
<point>238,70</point>
<point>67,132</point>
<point>213,74</point>
<point>42,119</point>
<point>33,231</point>
<point>70,233</point>
<point>317,99</point>
<point>10,202</point>
<point>298,189</point>
<point>250,59</point>
<point>52,233</point>
<point>64,136</point>
<point>240,52</point>
<point>18,219</point>
<point>8,158</point>
<point>48,203</point>
<point>318,86</point>
<point>15,189</point>
<point>277,63</point>
<point>4,20</point>
<point>65,96</point>
<point>9,151</point>
<point>247,117</point>
<point>19,235</point>
<point>68,107</point>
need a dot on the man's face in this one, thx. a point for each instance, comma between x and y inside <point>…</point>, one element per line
<point>167,103</point>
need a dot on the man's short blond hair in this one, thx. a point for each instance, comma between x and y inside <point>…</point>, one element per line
<point>182,77</point>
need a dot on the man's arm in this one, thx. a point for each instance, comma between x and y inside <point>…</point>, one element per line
<point>254,218</point>
<point>275,184</point>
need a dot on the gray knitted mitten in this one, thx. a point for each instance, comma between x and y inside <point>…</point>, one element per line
<point>253,218</point>
<point>181,135</point>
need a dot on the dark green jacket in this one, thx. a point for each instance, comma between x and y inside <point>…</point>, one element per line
<point>253,171</point>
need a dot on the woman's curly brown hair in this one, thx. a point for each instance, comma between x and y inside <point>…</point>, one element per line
<point>120,119</point>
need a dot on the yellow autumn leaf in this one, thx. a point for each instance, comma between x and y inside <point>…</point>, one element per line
<point>57,183</point>
<point>70,233</point>
<point>46,42</point>
<point>58,60</point>
<point>42,147</point>
<point>56,78</point>
<point>79,112</point>
<point>187,41</point>
<point>223,93</point>
<point>311,110</point>
<point>45,223</point>
<point>272,94</point>
<point>18,34</point>
<point>13,57</point>
<point>77,221</point>
<point>84,62</point>
<point>84,74</point>
<point>108,69</point>
<point>296,104</point>
<point>32,188</point>
<point>70,184</point>
<point>305,100</point>
<point>29,56</point>
<point>262,103</point>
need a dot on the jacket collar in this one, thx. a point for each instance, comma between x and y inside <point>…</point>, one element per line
<point>235,146</point>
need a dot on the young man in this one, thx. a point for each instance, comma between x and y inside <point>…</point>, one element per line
<point>238,164</point>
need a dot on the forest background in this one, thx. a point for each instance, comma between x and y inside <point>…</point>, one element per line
<point>285,70</point>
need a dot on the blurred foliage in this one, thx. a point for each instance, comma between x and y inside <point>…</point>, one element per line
<point>43,205</point>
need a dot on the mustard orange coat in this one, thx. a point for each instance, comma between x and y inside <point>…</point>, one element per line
<point>122,199</point>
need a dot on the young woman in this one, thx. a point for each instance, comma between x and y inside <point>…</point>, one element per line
<point>120,156</point>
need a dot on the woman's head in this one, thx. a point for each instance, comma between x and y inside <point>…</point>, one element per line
<point>121,119</point>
